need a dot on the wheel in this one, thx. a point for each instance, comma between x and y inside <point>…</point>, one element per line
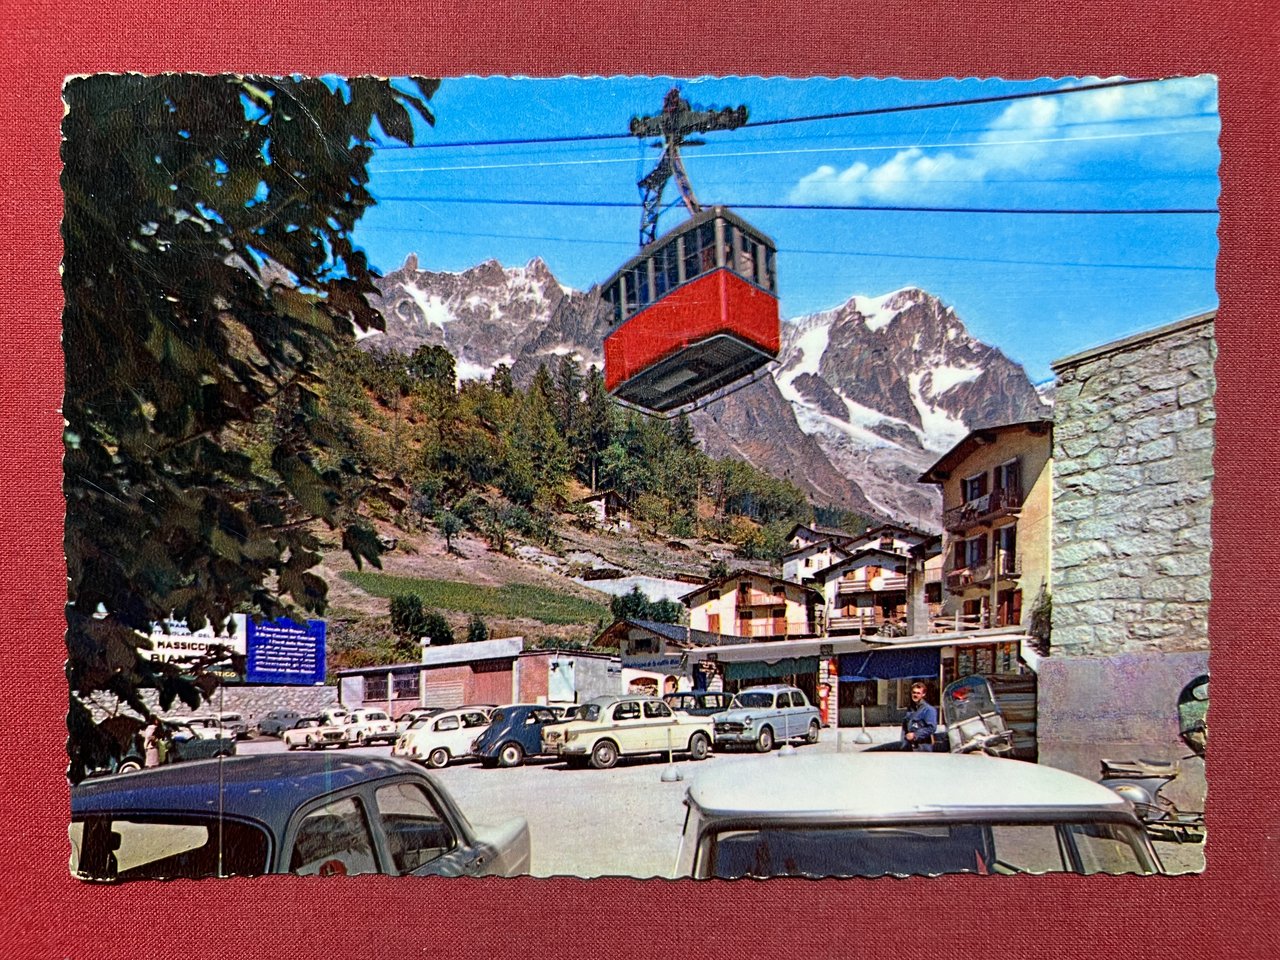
<point>290,745</point>
<point>439,757</point>
<point>699,746</point>
<point>764,743</point>
<point>128,766</point>
<point>604,755</point>
<point>311,744</point>
<point>511,755</point>
<point>364,739</point>
<point>814,732</point>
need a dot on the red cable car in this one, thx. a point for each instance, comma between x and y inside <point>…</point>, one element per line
<point>695,311</point>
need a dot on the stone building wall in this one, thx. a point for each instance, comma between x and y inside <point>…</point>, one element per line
<point>1133,472</point>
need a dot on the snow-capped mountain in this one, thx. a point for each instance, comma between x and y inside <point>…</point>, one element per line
<point>885,384</point>
<point>863,399</point>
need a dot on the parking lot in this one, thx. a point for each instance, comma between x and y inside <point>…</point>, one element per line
<point>625,821</point>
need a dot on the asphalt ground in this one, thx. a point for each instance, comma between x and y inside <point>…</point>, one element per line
<point>626,821</point>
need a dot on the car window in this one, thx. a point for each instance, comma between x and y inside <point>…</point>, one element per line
<point>375,715</point>
<point>333,840</point>
<point>542,716</point>
<point>1107,848</point>
<point>447,723</point>
<point>416,832</point>
<point>656,709</point>
<point>755,700</point>
<point>589,712</point>
<point>473,720</point>
<point>627,710</point>
<point>140,849</point>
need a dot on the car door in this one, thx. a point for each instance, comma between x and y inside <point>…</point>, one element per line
<point>473,723</point>
<point>627,726</point>
<point>659,726</point>
<point>530,732</point>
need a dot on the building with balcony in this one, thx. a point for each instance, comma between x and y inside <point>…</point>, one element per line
<point>802,563</point>
<point>881,591</point>
<point>755,606</point>
<point>996,510</point>
<point>808,534</point>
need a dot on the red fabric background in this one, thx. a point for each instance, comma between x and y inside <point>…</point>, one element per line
<point>1231,910</point>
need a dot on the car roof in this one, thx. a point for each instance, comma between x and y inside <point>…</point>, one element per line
<point>767,688</point>
<point>262,787</point>
<point>619,697</point>
<point>883,786</point>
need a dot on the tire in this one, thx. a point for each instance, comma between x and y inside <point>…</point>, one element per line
<point>290,745</point>
<point>511,755</point>
<point>311,744</point>
<point>604,755</point>
<point>814,732</point>
<point>437,758</point>
<point>128,766</point>
<point>764,743</point>
<point>364,739</point>
<point>699,746</point>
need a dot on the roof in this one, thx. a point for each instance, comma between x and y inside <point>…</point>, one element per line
<point>743,574</point>
<point>880,786</point>
<point>266,788</point>
<point>825,542</point>
<point>941,470</point>
<point>862,558</point>
<point>1130,342</point>
<point>501,648</point>
<point>832,533</point>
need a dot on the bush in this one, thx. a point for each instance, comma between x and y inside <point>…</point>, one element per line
<point>438,629</point>
<point>408,619</point>
<point>476,629</point>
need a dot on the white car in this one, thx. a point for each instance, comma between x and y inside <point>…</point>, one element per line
<point>364,727</point>
<point>313,733</point>
<point>905,814</point>
<point>407,720</point>
<point>607,728</point>
<point>445,736</point>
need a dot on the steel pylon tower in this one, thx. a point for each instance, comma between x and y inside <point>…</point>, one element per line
<point>676,120</point>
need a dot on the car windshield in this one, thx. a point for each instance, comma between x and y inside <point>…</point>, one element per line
<point>588,711</point>
<point>925,850</point>
<point>139,848</point>
<point>754,700</point>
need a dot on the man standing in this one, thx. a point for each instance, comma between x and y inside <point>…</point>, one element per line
<point>919,724</point>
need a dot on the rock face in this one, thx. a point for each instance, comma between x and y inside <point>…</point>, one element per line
<point>863,399</point>
<point>885,384</point>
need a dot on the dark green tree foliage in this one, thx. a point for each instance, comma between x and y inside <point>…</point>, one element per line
<point>437,629</point>
<point>208,273</point>
<point>636,605</point>
<point>450,526</point>
<point>477,630</point>
<point>408,619</point>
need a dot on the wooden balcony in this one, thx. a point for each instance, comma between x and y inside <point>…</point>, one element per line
<point>884,583</point>
<point>758,598</point>
<point>959,578</point>
<point>757,628</point>
<point>992,506</point>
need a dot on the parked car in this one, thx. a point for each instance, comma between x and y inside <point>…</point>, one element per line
<point>868,815</point>
<point>206,728</point>
<point>609,727</point>
<point>763,716</point>
<point>233,723</point>
<point>277,722</point>
<point>514,732</point>
<point>438,739</point>
<point>182,743</point>
<point>699,703</point>
<point>334,716</point>
<point>406,720</point>
<point>280,813</point>
<point>364,727</point>
<point>313,733</point>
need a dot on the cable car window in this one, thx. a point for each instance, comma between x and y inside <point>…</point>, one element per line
<point>612,295</point>
<point>638,287</point>
<point>744,254</point>
<point>666,270</point>
<point>699,251</point>
<point>771,270</point>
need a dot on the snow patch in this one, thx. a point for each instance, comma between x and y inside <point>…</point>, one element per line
<point>434,311</point>
<point>875,314</point>
<point>946,378</point>
<point>940,430</point>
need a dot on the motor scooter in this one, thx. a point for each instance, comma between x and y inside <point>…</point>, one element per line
<point>973,720</point>
<point>1141,781</point>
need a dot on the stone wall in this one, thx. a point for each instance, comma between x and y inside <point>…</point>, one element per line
<point>1133,470</point>
<point>251,702</point>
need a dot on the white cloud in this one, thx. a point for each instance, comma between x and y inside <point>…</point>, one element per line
<point>1041,137</point>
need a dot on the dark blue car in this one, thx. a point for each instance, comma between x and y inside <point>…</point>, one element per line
<point>283,813</point>
<point>514,732</point>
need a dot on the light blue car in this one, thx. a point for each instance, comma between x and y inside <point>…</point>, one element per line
<point>763,716</point>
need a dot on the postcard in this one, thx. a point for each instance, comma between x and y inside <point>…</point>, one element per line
<point>704,477</point>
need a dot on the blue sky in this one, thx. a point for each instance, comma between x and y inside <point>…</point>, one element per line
<point>1039,286</point>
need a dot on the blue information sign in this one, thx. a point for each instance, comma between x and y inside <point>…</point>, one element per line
<point>285,652</point>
